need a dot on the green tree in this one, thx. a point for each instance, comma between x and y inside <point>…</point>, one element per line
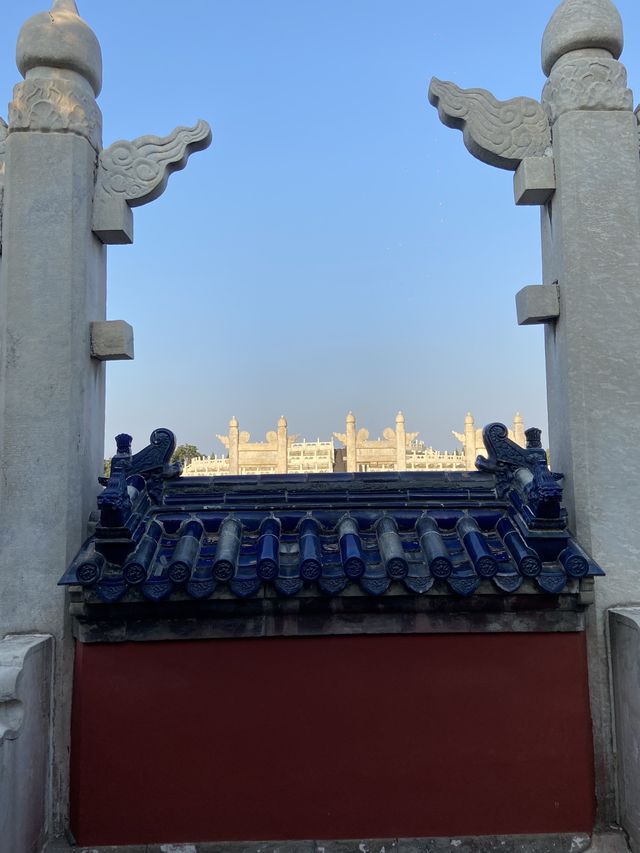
<point>185,453</point>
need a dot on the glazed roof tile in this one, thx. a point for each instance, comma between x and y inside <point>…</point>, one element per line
<point>162,536</point>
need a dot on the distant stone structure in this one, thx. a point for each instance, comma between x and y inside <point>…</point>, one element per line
<point>397,450</point>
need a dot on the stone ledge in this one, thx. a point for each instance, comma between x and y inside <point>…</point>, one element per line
<point>568,843</point>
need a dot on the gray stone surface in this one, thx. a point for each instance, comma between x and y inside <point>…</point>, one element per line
<point>25,731</point>
<point>575,843</point>
<point>592,354</point>
<point>534,181</point>
<point>51,391</point>
<point>624,628</point>
<point>223,616</point>
<point>569,843</point>
<point>609,842</point>
<point>389,845</point>
<point>537,303</point>
<point>112,340</point>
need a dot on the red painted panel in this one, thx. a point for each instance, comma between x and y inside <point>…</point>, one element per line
<point>331,737</point>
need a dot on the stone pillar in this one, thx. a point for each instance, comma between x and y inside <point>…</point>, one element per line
<point>352,462</point>
<point>591,251</point>
<point>234,449</point>
<point>576,154</point>
<point>283,446</point>
<point>401,443</point>
<point>54,338</point>
<point>52,286</point>
<point>518,430</point>
<point>470,452</point>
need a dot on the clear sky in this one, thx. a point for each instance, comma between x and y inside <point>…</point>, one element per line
<point>337,247</point>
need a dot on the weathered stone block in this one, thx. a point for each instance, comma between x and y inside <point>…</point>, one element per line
<point>25,731</point>
<point>112,340</point>
<point>537,303</point>
<point>534,181</point>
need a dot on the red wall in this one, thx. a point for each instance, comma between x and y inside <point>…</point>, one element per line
<point>331,737</point>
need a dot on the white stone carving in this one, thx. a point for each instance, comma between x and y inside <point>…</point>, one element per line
<point>134,173</point>
<point>56,104</point>
<point>500,133</point>
<point>586,83</point>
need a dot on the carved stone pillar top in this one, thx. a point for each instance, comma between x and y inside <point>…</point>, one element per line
<point>580,48</point>
<point>582,25</point>
<point>60,58</point>
<point>60,39</point>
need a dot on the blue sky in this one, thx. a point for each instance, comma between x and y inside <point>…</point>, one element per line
<point>337,247</point>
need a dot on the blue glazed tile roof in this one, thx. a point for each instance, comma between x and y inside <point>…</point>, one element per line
<point>161,536</point>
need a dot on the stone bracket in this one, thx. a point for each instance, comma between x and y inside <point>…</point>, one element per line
<point>111,340</point>
<point>538,303</point>
<point>134,173</point>
<point>534,181</point>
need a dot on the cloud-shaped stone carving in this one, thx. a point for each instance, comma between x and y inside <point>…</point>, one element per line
<point>134,173</point>
<point>500,133</point>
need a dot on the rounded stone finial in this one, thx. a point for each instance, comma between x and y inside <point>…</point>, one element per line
<point>60,39</point>
<point>351,418</point>
<point>233,423</point>
<point>518,418</point>
<point>282,421</point>
<point>399,418</point>
<point>579,25</point>
<point>469,418</point>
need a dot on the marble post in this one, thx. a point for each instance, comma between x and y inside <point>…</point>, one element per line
<point>352,463</point>
<point>53,173</point>
<point>283,446</point>
<point>401,443</point>
<point>52,286</point>
<point>234,450</point>
<point>518,430</point>
<point>470,442</point>
<point>577,155</point>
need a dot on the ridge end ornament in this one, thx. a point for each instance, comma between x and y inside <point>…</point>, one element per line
<point>500,133</point>
<point>133,173</point>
